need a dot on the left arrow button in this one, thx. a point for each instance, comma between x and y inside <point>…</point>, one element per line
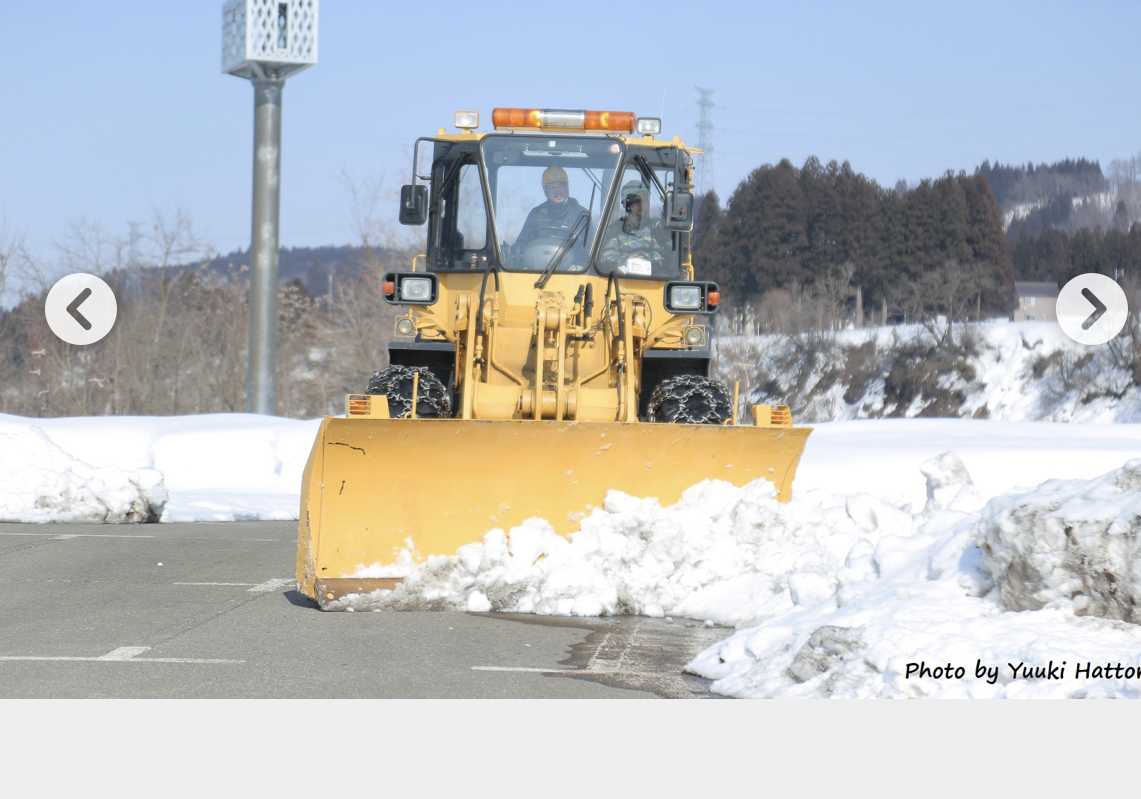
<point>81,308</point>
<point>73,309</point>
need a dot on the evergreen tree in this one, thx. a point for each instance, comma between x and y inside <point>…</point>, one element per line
<point>707,220</point>
<point>762,239</point>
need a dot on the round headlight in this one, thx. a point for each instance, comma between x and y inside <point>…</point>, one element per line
<point>404,326</point>
<point>694,336</point>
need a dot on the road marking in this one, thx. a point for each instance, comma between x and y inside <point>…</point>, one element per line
<point>66,536</point>
<point>530,670</point>
<point>254,588</point>
<point>242,585</point>
<point>272,585</point>
<point>122,654</point>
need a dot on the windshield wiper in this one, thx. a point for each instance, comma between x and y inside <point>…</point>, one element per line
<point>644,167</point>
<point>581,224</point>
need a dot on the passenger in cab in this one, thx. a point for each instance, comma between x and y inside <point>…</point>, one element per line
<point>634,244</point>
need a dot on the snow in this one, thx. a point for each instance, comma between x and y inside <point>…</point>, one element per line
<point>214,467</point>
<point>835,595</point>
<point>882,457</point>
<point>1069,543</point>
<point>908,541</point>
<point>1022,371</point>
<point>937,597</point>
<point>227,467</point>
<point>42,482</point>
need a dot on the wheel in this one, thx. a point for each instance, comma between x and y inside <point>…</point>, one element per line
<point>690,399</point>
<point>395,382</point>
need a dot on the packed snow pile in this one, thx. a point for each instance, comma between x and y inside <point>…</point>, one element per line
<point>835,595</point>
<point>722,553</point>
<point>997,370</point>
<point>911,610</point>
<point>40,482</point>
<point>1070,543</point>
<point>216,467</point>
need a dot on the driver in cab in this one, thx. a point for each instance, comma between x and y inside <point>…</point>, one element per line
<point>633,244</point>
<point>551,222</point>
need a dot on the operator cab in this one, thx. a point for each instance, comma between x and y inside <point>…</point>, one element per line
<point>542,195</point>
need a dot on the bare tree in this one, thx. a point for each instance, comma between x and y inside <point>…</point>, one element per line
<point>11,249</point>
<point>180,342</point>
<point>941,298</point>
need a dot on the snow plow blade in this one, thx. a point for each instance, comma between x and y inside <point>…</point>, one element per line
<point>372,484</point>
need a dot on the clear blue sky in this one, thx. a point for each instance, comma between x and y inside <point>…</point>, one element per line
<point>111,109</point>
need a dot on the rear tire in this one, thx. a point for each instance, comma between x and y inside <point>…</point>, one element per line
<point>395,382</point>
<point>690,399</point>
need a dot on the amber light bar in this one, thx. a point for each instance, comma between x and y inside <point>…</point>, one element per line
<point>560,119</point>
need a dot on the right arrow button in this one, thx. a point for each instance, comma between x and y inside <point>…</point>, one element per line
<point>1092,309</point>
<point>1098,309</point>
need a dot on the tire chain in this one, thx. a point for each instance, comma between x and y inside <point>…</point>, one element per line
<point>690,399</point>
<point>395,382</point>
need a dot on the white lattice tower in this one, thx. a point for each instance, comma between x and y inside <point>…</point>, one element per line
<point>262,38</point>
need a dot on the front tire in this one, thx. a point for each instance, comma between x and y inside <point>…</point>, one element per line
<point>690,399</point>
<point>395,382</point>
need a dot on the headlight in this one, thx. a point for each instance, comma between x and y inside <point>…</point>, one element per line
<point>694,336</point>
<point>416,289</point>
<point>685,298</point>
<point>467,120</point>
<point>410,288</point>
<point>649,126</point>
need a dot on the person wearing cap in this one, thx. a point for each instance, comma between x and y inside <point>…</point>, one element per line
<point>633,243</point>
<point>553,220</point>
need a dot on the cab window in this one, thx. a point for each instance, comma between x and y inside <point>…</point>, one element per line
<point>636,241</point>
<point>460,239</point>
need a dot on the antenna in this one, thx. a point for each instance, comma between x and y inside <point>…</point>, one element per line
<point>705,139</point>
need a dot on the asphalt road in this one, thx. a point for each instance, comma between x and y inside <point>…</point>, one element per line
<point>209,610</point>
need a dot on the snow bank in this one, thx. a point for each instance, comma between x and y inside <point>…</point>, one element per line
<point>1002,371</point>
<point>837,595</point>
<point>940,597</point>
<point>227,467</point>
<point>214,467</point>
<point>1069,543</point>
<point>882,457</point>
<point>888,557</point>
<point>40,482</point>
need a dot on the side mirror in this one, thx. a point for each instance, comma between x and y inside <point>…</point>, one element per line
<point>413,204</point>
<point>679,211</point>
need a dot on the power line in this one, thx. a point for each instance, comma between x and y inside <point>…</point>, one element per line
<point>705,139</point>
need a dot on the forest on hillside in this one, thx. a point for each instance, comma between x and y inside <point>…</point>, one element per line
<point>828,231</point>
<point>953,245</point>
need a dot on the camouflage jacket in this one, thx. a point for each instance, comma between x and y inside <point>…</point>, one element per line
<point>637,252</point>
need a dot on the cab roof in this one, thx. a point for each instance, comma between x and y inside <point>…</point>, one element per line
<point>626,138</point>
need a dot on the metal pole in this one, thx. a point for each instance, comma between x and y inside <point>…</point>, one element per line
<point>261,390</point>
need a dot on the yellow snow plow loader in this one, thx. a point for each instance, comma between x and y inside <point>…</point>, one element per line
<point>555,344</point>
